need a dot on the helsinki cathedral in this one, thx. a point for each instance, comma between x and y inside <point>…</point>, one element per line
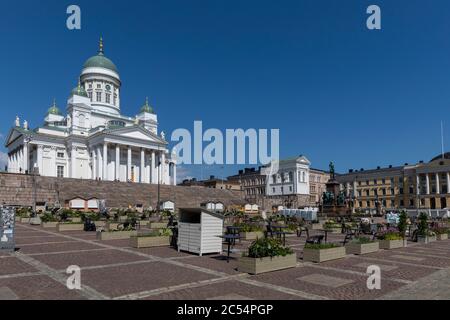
<point>94,140</point>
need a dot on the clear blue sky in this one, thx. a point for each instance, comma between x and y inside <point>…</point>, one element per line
<point>336,90</point>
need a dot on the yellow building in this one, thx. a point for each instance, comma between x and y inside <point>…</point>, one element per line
<point>418,186</point>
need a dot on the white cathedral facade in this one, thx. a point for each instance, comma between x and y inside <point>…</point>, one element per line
<point>94,140</point>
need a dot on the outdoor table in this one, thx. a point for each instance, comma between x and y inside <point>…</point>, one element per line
<point>281,232</point>
<point>326,233</point>
<point>230,238</point>
<point>232,230</point>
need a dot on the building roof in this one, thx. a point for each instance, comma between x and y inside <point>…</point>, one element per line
<point>100,61</point>
<point>439,157</point>
<point>54,109</point>
<point>147,108</point>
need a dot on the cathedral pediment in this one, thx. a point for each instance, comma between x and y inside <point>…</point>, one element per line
<point>136,132</point>
<point>16,133</point>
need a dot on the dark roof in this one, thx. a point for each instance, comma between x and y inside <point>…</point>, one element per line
<point>200,210</point>
<point>439,157</point>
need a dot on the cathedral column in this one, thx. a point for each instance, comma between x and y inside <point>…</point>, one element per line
<point>129,164</point>
<point>105,161</point>
<point>437,184</point>
<point>94,164</point>
<point>163,166</point>
<point>40,159</point>
<point>142,171</point>
<point>99,163</point>
<point>174,174</point>
<point>117,162</point>
<point>73,162</point>
<point>152,169</point>
<point>427,179</point>
<point>19,159</point>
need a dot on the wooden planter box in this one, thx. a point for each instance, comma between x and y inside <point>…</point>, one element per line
<point>111,226</point>
<point>24,220</point>
<point>361,248</point>
<point>51,224</point>
<point>100,224</point>
<point>75,219</point>
<point>261,265</point>
<point>392,244</point>
<point>426,239</point>
<point>148,242</point>
<point>334,230</point>
<point>69,227</point>
<point>116,235</point>
<point>252,235</point>
<point>443,236</point>
<point>157,225</point>
<point>321,255</point>
<point>17,219</point>
<point>35,221</point>
<point>123,219</point>
<point>317,226</point>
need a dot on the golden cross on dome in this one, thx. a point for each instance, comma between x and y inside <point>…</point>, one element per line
<point>101,45</point>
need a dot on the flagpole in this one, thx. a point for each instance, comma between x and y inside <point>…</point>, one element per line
<point>442,138</point>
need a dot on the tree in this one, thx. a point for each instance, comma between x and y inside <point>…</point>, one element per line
<point>402,223</point>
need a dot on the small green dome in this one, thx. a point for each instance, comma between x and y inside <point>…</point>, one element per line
<point>100,61</point>
<point>54,109</point>
<point>147,108</point>
<point>79,91</point>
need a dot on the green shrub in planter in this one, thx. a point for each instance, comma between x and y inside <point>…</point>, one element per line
<point>362,240</point>
<point>246,227</point>
<point>268,247</point>
<point>321,246</point>
<point>390,236</point>
<point>48,217</point>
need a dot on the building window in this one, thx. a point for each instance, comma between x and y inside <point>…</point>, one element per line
<point>90,85</point>
<point>402,203</point>
<point>60,172</point>
<point>290,189</point>
<point>115,99</point>
<point>273,190</point>
<point>90,95</point>
<point>81,120</point>
<point>108,98</point>
<point>99,96</point>
<point>60,155</point>
<point>99,86</point>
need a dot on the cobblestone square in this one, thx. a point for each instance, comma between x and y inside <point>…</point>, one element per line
<point>114,270</point>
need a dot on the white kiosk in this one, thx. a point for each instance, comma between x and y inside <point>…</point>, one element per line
<point>199,231</point>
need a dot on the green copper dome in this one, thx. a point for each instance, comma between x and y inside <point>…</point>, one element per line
<point>79,91</point>
<point>100,61</point>
<point>54,109</point>
<point>147,108</point>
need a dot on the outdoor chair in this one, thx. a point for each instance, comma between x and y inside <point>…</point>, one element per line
<point>89,225</point>
<point>349,234</point>
<point>301,229</point>
<point>315,239</point>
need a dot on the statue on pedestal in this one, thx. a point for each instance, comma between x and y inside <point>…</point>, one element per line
<point>17,123</point>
